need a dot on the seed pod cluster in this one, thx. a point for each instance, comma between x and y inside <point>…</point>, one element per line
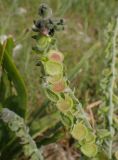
<point>58,91</point>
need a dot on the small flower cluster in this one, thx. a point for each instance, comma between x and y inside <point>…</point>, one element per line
<point>46,25</point>
<point>17,125</point>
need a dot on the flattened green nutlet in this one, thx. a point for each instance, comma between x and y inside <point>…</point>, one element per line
<point>79,131</point>
<point>65,105</point>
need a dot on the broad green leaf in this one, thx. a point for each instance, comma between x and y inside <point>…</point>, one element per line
<point>9,45</point>
<point>18,82</point>
<point>2,48</point>
<point>5,87</point>
<point>1,52</point>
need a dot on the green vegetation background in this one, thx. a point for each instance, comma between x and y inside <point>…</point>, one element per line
<point>82,43</point>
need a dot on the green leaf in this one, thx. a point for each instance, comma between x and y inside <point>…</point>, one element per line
<point>1,52</point>
<point>9,45</point>
<point>2,47</point>
<point>16,78</point>
<point>5,87</point>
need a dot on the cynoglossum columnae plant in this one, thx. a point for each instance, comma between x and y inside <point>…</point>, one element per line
<point>56,85</point>
<point>108,111</point>
<point>17,125</point>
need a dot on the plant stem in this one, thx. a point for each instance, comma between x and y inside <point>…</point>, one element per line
<point>112,82</point>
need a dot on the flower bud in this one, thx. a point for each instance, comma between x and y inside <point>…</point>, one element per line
<point>45,11</point>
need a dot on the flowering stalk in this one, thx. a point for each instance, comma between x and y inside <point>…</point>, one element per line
<point>17,125</point>
<point>108,82</point>
<point>56,85</point>
<point>111,90</point>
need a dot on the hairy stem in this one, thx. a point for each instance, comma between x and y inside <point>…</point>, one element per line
<point>112,83</point>
<point>17,125</point>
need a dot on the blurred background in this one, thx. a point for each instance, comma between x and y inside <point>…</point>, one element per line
<point>82,42</point>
